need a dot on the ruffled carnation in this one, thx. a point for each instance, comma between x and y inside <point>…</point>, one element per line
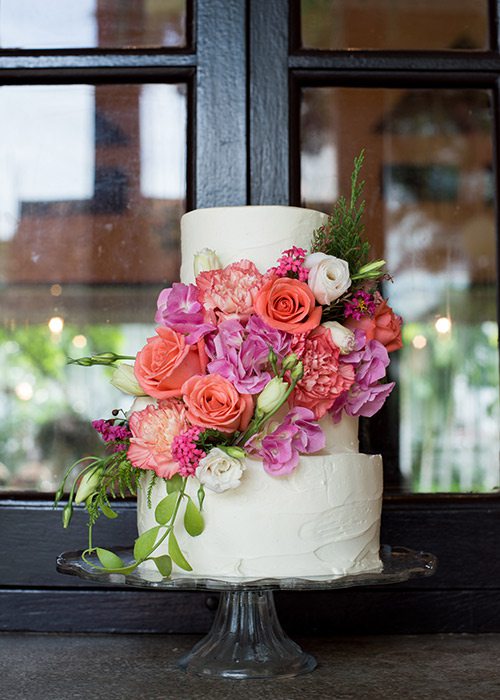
<point>325,377</point>
<point>230,293</point>
<point>153,432</point>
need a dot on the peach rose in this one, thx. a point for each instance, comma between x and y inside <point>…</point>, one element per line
<point>384,326</point>
<point>289,305</point>
<point>213,402</point>
<point>166,361</point>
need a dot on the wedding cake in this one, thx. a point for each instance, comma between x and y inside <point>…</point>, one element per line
<point>322,519</point>
<point>242,441</point>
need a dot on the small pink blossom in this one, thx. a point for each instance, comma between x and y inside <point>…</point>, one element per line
<point>230,293</point>
<point>291,264</point>
<point>361,304</point>
<point>185,451</point>
<point>118,435</point>
<point>153,432</point>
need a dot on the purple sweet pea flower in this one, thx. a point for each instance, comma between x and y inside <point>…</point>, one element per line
<point>240,354</point>
<point>299,433</point>
<point>367,395</point>
<point>180,309</point>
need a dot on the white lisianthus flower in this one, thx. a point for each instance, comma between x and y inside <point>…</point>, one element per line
<point>219,471</point>
<point>140,403</point>
<point>328,277</point>
<point>123,378</point>
<point>88,485</point>
<point>206,260</point>
<point>272,396</point>
<point>343,337</point>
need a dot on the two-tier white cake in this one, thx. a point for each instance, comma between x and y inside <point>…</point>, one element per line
<point>323,519</point>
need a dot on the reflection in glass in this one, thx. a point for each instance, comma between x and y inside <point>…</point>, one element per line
<point>107,24</point>
<point>394,24</point>
<point>429,191</point>
<point>92,187</point>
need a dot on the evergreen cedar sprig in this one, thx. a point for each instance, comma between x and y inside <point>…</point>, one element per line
<point>341,236</point>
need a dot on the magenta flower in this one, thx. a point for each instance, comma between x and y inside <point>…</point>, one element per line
<point>361,304</point>
<point>185,451</point>
<point>180,309</point>
<point>299,433</point>
<point>291,264</point>
<point>240,354</point>
<point>111,433</point>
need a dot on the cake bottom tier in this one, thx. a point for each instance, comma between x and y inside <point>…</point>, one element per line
<point>321,520</point>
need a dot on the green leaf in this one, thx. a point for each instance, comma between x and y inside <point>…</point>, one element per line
<point>174,483</point>
<point>108,559</point>
<point>143,546</point>
<point>108,512</point>
<point>165,508</point>
<point>193,519</point>
<point>176,554</point>
<point>163,564</point>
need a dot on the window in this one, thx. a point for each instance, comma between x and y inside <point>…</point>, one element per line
<point>228,104</point>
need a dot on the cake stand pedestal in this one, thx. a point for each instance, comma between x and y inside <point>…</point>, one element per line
<point>246,640</point>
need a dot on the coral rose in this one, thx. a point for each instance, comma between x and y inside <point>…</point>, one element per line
<point>153,431</point>
<point>325,378</point>
<point>213,402</point>
<point>289,305</point>
<point>384,325</point>
<point>166,361</point>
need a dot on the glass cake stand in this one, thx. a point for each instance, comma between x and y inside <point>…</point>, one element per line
<point>246,640</point>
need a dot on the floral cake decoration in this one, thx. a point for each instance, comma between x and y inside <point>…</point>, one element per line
<point>242,365</point>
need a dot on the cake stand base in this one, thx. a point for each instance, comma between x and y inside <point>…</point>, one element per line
<point>247,641</point>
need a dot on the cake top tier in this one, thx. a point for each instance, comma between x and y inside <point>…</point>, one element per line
<point>257,233</point>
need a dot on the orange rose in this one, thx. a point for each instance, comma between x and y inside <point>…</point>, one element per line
<point>166,361</point>
<point>289,305</point>
<point>213,402</point>
<point>384,326</point>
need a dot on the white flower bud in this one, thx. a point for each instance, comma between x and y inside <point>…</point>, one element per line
<point>343,337</point>
<point>219,471</point>
<point>88,485</point>
<point>272,396</point>
<point>328,277</point>
<point>123,378</point>
<point>206,260</point>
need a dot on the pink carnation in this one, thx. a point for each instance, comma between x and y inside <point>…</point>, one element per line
<point>230,293</point>
<point>325,377</point>
<point>153,431</point>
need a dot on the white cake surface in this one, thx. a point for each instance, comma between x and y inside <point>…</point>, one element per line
<point>323,520</point>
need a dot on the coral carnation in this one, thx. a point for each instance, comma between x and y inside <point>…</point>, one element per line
<point>153,431</point>
<point>230,293</point>
<point>324,376</point>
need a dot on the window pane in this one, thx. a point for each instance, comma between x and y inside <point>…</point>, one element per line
<point>394,24</point>
<point>106,24</point>
<point>429,191</point>
<point>92,186</point>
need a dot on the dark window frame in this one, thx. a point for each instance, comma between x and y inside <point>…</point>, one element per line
<point>244,75</point>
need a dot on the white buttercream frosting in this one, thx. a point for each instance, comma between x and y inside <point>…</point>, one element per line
<point>324,518</point>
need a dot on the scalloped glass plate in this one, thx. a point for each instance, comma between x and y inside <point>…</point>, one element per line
<point>398,564</point>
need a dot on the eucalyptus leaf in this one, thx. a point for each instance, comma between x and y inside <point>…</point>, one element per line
<point>143,546</point>
<point>163,564</point>
<point>108,512</point>
<point>193,519</point>
<point>165,508</point>
<point>108,559</point>
<point>174,483</point>
<point>176,554</point>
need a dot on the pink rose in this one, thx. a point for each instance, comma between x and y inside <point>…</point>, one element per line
<point>153,431</point>
<point>213,402</point>
<point>324,376</point>
<point>230,293</point>
<point>166,361</point>
<point>289,305</point>
<point>384,325</point>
